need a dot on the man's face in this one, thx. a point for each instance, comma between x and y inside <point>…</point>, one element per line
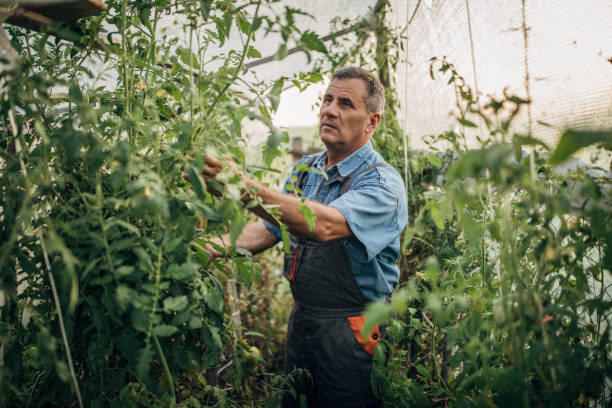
<point>345,123</point>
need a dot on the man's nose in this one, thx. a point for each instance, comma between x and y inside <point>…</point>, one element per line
<point>329,110</point>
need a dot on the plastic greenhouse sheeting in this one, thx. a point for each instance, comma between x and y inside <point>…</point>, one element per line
<point>323,16</point>
<point>566,53</point>
<point>320,17</point>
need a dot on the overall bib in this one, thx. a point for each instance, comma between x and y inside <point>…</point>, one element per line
<point>323,335</point>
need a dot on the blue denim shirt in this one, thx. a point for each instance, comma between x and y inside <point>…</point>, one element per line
<point>374,208</point>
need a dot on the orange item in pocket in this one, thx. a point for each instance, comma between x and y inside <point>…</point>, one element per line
<point>369,344</point>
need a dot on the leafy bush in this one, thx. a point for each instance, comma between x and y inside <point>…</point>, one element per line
<point>507,261</point>
<point>98,225</point>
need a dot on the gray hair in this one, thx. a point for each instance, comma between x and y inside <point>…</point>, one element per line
<point>375,98</point>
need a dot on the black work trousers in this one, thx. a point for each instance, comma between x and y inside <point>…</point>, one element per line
<point>330,366</point>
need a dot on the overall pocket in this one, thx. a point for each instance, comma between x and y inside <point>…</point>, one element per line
<point>369,343</point>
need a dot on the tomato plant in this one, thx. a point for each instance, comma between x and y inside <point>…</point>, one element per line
<point>506,264</point>
<point>110,295</point>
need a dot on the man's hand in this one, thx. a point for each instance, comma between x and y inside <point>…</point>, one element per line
<point>213,252</point>
<point>214,167</point>
<point>255,238</point>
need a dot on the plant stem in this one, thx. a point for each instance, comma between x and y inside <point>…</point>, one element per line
<point>191,83</point>
<point>156,297</point>
<point>238,68</point>
<point>102,225</point>
<point>124,65</point>
<point>58,310</point>
<point>162,357</point>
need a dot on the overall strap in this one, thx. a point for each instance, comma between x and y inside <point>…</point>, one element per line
<point>347,185</point>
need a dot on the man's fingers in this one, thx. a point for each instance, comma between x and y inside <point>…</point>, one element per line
<point>213,162</point>
<point>210,172</point>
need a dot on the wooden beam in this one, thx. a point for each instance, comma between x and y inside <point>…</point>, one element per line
<point>31,20</point>
<point>44,16</point>
<point>64,10</point>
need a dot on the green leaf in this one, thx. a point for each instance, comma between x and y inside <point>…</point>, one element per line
<point>434,160</point>
<point>236,227</point>
<point>196,180</point>
<point>245,273</point>
<point>205,6</point>
<point>256,23</point>
<point>144,260</point>
<point>274,101</point>
<point>185,271</point>
<point>213,297</point>
<point>61,368</point>
<point>312,42</point>
<point>130,227</point>
<point>124,270</point>
<point>574,140</point>
<point>313,77</point>
<point>145,356</point>
<point>144,13</point>
<point>423,371</point>
<point>122,244</point>
<point>123,296</point>
<point>309,215</point>
<point>55,244</point>
<point>243,24</point>
<point>253,333</point>
<point>273,143</point>
<point>436,216</point>
<point>252,52</point>
<point>195,322</point>
<point>376,313</point>
<point>212,346</point>
<point>528,141</point>
<point>281,52</point>
<point>467,123</point>
<point>286,239</point>
<point>175,304</point>
<point>432,270</point>
<point>164,330</point>
<point>188,58</point>
<point>263,109</point>
<point>140,320</point>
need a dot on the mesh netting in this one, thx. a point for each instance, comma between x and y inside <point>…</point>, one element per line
<point>565,55</point>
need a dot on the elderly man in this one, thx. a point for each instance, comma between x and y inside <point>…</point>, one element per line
<point>349,258</point>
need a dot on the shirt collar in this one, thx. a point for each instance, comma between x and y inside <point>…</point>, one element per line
<point>348,164</point>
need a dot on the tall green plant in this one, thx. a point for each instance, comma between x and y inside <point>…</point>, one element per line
<point>508,303</point>
<point>93,198</point>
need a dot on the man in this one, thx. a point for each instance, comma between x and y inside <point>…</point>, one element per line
<point>349,258</point>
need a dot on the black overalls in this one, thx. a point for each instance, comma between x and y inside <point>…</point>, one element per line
<point>323,335</point>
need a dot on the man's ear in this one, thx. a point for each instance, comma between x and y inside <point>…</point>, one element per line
<point>374,121</point>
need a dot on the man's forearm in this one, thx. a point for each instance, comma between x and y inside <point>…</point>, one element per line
<point>329,222</point>
<point>255,238</point>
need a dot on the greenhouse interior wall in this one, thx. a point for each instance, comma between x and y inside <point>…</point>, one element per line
<point>555,53</point>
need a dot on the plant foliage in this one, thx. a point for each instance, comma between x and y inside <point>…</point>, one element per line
<point>93,198</point>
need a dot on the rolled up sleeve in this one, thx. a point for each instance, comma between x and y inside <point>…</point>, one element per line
<point>273,229</point>
<point>372,212</point>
